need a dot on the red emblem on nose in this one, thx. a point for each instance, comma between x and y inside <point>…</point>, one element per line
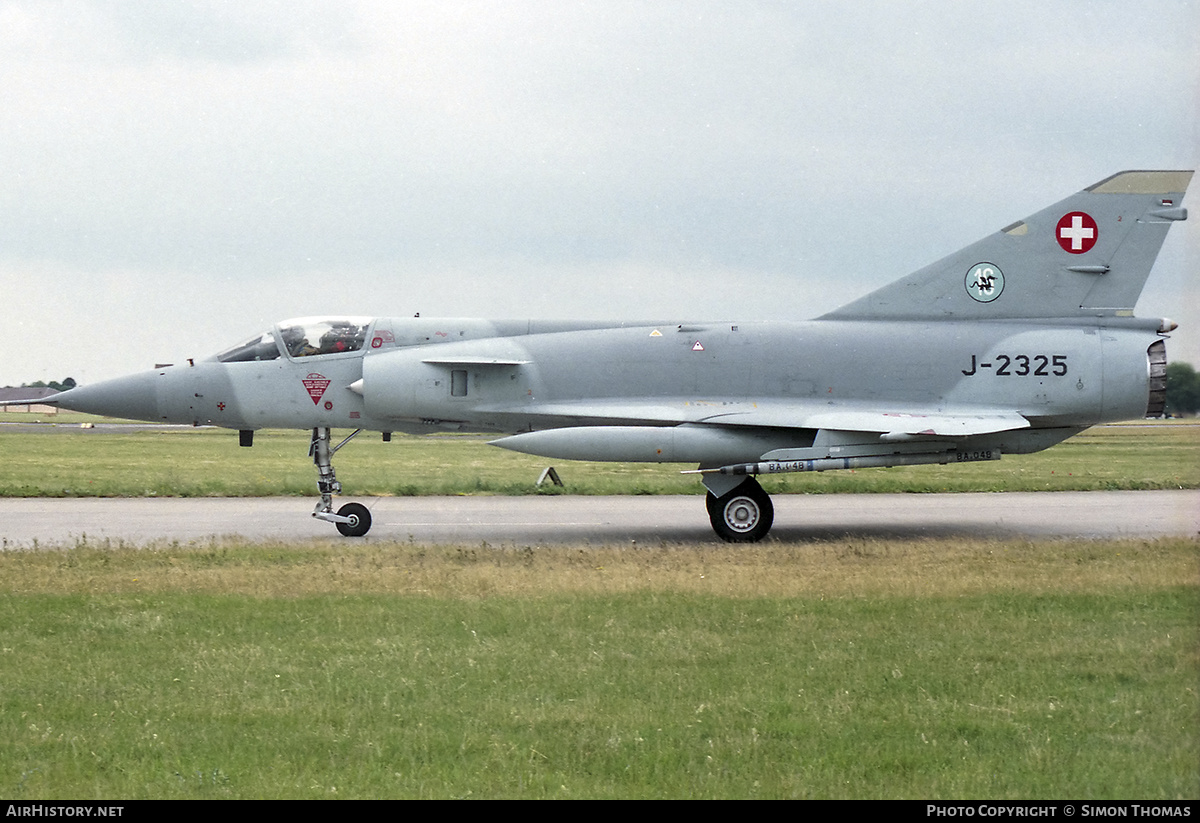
<point>316,384</point>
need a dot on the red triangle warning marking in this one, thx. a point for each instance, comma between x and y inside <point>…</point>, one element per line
<point>316,384</point>
<point>698,346</point>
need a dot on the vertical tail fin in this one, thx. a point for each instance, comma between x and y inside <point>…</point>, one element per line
<point>1085,256</point>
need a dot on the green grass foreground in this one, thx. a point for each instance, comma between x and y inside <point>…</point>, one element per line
<point>62,460</point>
<point>922,669</point>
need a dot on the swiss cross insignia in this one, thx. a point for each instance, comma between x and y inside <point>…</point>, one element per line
<point>1076,232</point>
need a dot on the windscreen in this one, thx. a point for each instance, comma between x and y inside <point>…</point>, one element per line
<point>259,347</point>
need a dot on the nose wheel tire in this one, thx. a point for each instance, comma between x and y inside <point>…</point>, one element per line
<point>360,520</point>
<point>743,515</point>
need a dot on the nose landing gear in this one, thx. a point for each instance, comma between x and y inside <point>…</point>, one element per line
<point>352,519</point>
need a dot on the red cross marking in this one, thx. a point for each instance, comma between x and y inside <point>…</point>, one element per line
<point>1076,232</point>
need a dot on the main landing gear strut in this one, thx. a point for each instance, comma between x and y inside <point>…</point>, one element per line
<point>352,519</point>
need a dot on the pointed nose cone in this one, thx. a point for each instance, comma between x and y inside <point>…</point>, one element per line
<point>134,397</point>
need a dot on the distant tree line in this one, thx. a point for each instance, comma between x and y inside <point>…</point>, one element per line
<point>69,383</point>
<point>1183,389</point>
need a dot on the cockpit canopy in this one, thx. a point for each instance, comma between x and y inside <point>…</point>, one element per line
<point>323,335</point>
<point>303,337</point>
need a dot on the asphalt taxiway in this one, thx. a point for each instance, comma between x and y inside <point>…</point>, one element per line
<point>26,522</point>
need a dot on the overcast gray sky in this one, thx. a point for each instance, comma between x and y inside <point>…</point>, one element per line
<point>179,175</point>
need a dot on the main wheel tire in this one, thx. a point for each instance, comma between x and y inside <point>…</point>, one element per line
<point>360,520</point>
<point>743,515</point>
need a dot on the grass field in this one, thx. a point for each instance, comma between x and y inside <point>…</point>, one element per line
<point>841,668</point>
<point>924,669</point>
<point>65,460</point>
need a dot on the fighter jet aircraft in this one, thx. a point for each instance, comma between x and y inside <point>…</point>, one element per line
<point>1010,345</point>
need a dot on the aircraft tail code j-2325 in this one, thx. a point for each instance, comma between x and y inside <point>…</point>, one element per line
<point>1011,345</point>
